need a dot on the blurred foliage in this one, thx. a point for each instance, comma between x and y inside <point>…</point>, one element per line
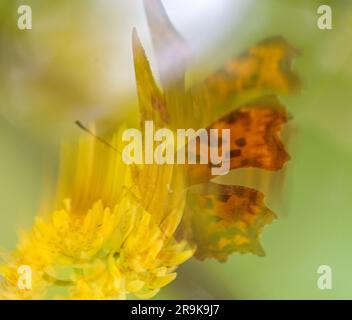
<point>61,69</point>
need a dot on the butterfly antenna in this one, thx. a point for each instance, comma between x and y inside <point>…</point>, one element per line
<point>84,128</point>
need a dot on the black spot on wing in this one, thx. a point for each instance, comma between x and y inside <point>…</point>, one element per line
<point>235,153</point>
<point>240,142</point>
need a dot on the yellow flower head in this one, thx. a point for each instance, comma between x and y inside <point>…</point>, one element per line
<point>104,235</point>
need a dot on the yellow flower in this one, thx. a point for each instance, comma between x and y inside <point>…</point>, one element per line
<point>110,239</point>
<point>69,239</point>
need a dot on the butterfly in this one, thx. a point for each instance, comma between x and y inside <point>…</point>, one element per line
<point>242,97</point>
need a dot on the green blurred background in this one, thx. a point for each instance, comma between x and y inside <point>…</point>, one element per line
<point>76,63</point>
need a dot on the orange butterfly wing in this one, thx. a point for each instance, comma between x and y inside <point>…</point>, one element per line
<point>254,139</point>
<point>264,69</point>
<point>226,219</point>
